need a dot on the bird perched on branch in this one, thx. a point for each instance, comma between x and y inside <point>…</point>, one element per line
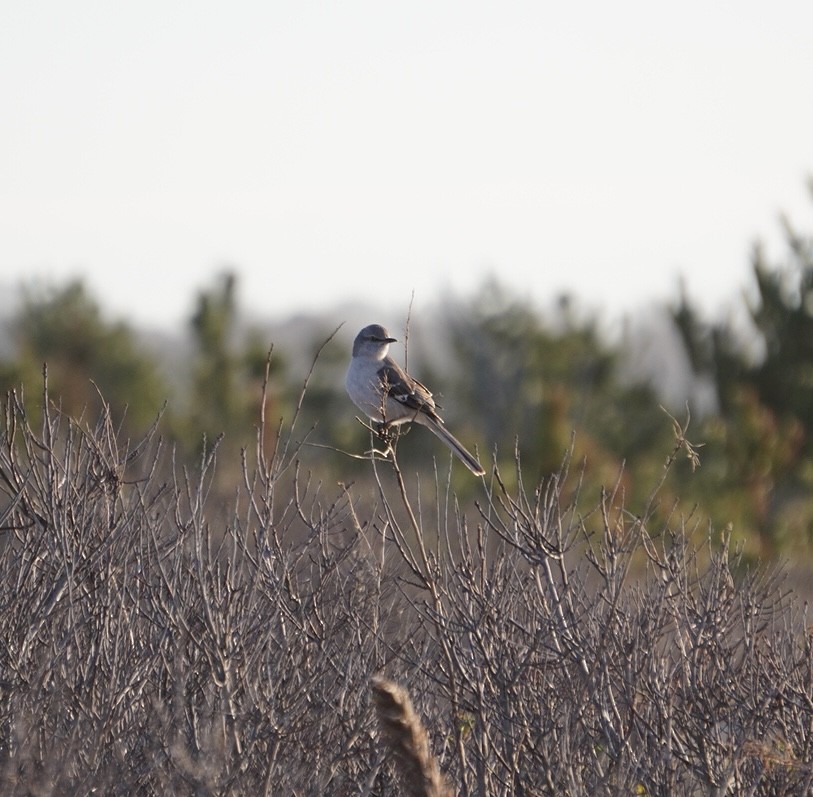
<point>386,393</point>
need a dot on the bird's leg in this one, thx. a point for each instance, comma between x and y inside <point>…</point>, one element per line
<point>384,433</point>
<point>388,433</point>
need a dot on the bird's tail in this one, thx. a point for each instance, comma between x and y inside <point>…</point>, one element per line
<point>457,447</point>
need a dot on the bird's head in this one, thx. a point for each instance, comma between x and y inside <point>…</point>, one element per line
<point>373,341</point>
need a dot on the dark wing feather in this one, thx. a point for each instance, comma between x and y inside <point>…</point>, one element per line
<point>406,390</point>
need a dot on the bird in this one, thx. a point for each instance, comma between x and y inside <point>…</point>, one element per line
<point>386,393</point>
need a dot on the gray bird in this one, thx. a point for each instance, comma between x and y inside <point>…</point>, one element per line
<point>384,392</point>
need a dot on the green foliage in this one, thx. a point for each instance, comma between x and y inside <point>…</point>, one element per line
<point>783,316</point>
<point>65,330</point>
<point>229,369</point>
<point>540,382</point>
<point>759,459</point>
<point>219,400</point>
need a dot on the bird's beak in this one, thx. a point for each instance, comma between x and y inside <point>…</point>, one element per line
<point>388,340</point>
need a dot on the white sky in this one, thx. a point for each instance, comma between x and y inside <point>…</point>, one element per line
<point>366,149</point>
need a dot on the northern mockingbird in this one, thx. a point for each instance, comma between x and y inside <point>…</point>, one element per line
<point>384,392</point>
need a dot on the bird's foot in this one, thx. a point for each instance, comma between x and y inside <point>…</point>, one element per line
<point>386,433</point>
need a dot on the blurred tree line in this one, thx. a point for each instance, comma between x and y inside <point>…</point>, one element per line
<point>759,448</point>
<point>544,384</point>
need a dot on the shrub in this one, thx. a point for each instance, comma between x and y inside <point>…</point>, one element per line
<point>157,641</point>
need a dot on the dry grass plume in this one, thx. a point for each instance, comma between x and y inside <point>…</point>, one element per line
<point>406,737</point>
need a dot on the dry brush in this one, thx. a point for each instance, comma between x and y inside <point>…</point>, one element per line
<point>157,640</point>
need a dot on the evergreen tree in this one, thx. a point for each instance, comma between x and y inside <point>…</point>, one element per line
<point>88,358</point>
<point>228,370</point>
<point>760,446</point>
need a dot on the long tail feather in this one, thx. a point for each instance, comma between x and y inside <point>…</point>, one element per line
<point>457,447</point>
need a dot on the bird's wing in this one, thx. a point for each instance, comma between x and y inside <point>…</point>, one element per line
<point>401,387</point>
